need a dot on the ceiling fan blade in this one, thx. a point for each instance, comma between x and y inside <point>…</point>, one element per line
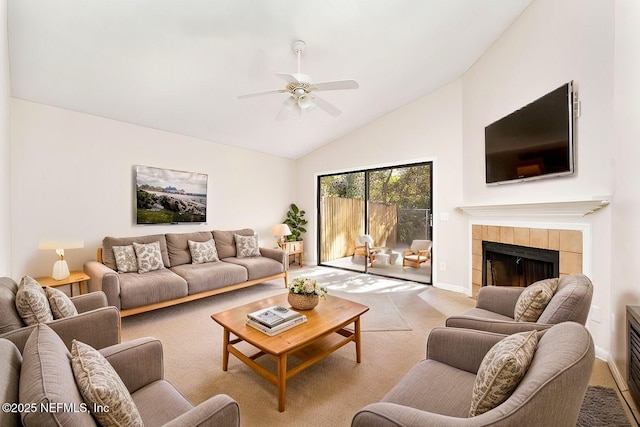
<point>295,77</point>
<point>337,85</point>
<point>326,106</point>
<point>266,92</point>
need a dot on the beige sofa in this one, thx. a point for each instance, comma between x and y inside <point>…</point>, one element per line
<point>438,391</point>
<point>96,323</point>
<point>180,280</point>
<point>41,385</point>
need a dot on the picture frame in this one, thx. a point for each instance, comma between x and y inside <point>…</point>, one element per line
<point>167,196</point>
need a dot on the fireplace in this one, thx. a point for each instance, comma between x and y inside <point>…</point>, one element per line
<point>568,242</point>
<point>514,265</point>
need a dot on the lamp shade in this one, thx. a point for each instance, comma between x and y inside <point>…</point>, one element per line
<point>280,230</point>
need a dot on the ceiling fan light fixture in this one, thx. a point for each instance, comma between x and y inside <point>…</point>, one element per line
<point>304,101</point>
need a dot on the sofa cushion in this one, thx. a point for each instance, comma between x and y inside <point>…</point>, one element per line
<point>126,260</point>
<point>9,317</point>
<point>137,290</point>
<point>102,388</point>
<point>226,242</point>
<point>247,246</point>
<point>178,245</point>
<point>108,243</point>
<point>209,276</point>
<point>258,267</point>
<point>46,378</point>
<point>202,252</point>
<point>32,303</point>
<point>149,256</point>
<point>61,305</point>
<point>10,362</point>
<point>534,299</point>
<point>501,370</point>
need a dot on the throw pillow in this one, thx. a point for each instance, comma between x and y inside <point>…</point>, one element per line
<point>202,252</point>
<point>247,246</point>
<point>126,261</point>
<point>501,370</point>
<point>149,256</point>
<point>534,299</point>
<point>101,387</point>
<point>31,302</point>
<point>61,305</point>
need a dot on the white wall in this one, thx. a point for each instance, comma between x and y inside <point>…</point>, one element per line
<point>5,148</point>
<point>625,269</point>
<point>551,43</point>
<point>73,179</point>
<point>427,129</point>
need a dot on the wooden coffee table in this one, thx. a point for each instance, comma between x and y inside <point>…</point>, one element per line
<point>322,334</point>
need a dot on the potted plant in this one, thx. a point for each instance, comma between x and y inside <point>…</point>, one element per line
<point>296,222</point>
<point>304,293</point>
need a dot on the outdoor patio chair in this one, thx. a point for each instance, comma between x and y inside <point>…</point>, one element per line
<point>419,252</point>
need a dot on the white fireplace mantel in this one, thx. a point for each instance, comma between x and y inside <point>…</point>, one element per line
<point>577,208</point>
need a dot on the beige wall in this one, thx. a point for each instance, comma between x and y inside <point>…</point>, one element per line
<point>73,179</point>
<point>5,149</point>
<point>625,270</point>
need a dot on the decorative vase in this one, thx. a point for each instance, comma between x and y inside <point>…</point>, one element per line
<point>302,302</point>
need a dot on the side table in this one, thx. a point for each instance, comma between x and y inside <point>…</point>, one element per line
<point>78,277</point>
<point>293,248</point>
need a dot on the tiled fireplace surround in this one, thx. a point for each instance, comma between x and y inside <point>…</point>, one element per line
<point>568,242</point>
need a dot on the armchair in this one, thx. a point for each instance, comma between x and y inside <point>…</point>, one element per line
<point>438,390</point>
<point>46,375</point>
<point>96,324</point>
<point>364,248</point>
<point>419,252</point>
<point>495,307</point>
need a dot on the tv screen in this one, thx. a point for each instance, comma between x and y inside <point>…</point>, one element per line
<point>533,142</point>
<point>166,196</point>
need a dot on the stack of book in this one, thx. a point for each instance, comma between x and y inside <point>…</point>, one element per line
<point>276,319</point>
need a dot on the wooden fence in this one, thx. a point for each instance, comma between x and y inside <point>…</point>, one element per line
<point>342,221</point>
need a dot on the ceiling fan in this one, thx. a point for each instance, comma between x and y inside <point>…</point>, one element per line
<point>302,91</point>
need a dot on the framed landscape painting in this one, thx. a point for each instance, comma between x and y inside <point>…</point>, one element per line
<point>166,196</point>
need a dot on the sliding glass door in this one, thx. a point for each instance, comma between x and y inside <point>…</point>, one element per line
<point>390,207</point>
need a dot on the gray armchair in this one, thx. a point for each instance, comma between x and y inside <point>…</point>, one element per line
<point>43,373</point>
<point>495,307</point>
<point>438,391</point>
<point>96,324</point>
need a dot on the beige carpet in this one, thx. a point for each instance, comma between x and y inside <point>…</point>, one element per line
<point>328,393</point>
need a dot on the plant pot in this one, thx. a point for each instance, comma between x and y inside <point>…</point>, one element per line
<point>302,302</point>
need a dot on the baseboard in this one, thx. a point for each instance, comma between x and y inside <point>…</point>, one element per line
<point>617,376</point>
<point>454,288</point>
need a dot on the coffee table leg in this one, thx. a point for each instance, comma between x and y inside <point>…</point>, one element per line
<point>357,339</point>
<point>225,349</point>
<point>282,381</point>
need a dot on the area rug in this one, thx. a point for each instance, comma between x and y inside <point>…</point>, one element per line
<point>601,407</point>
<point>383,314</point>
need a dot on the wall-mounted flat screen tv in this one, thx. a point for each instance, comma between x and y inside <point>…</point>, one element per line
<point>166,196</point>
<point>533,142</point>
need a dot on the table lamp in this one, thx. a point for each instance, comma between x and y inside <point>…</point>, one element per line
<point>60,268</point>
<point>280,231</point>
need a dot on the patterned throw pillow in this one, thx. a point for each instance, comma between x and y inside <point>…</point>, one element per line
<point>247,246</point>
<point>60,303</point>
<point>202,252</point>
<point>501,370</point>
<point>101,387</point>
<point>534,299</point>
<point>149,256</point>
<point>31,302</point>
<point>126,261</point>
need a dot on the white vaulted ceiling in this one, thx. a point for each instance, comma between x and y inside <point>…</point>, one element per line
<point>179,65</point>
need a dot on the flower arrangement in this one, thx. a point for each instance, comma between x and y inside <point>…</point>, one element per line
<point>308,287</point>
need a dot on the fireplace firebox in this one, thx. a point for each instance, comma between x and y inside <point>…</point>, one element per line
<point>512,265</point>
